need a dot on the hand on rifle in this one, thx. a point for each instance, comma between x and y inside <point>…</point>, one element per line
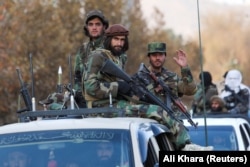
<point>123,87</point>
<point>69,89</point>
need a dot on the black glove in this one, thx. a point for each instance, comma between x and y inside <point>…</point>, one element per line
<point>80,100</point>
<point>123,87</point>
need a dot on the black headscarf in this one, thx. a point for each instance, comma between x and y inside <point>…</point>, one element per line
<point>207,78</point>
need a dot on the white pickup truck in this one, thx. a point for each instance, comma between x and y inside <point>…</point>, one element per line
<point>223,131</point>
<point>58,138</point>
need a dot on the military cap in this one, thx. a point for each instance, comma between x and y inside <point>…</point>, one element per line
<point>116,30</point>
<point>156,47</point>
<point>97,13</point>
<point>91,15</point>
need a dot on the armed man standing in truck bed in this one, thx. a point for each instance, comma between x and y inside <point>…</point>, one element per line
<point>168,86</point>
<point>99,86</point>
<point>94,28</point>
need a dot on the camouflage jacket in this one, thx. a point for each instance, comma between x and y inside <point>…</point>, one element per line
<point>98,86</point>
<point>81,59</point>
<point>179,86</point>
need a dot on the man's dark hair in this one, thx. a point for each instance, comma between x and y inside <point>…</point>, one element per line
<point>225,74</point>
<point>116,30</point>
<point>207,78</point>
<point>95,14</point>
<point>107,44</point>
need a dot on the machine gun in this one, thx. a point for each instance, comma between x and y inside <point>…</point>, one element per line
<point>174,98</point>
<point>25,94</point>
<point>111,68</point>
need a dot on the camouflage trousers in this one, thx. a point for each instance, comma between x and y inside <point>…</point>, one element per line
<point>180,134</point>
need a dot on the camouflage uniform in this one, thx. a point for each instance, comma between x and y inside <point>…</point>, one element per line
<point>98,86</point>
<point>55,101</point>
<point>83,53</point>
<point>81,59</point>
<point>178,86</point>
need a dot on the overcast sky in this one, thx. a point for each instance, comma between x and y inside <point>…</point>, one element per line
<point>182,15</point>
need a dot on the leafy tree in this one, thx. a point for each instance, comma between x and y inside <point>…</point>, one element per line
<point>51,31</point>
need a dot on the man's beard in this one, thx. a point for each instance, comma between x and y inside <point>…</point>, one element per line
<point>219,109</point>
<point>116,52</point>
<point>155,67</point>
<point>106,163</point>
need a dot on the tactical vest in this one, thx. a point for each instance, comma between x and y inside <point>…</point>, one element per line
<point>90,46</point>
<point>81,60</point>
<point>120,61</point>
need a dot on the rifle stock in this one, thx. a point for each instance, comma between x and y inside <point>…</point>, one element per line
<point>25,94</point>
<point>112,69</point>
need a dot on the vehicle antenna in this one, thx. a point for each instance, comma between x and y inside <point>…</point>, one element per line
<point>72,101</point>
<point>202,77</point>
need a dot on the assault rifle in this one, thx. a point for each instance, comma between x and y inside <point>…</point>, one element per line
<point>111,68</point>
<point>174,98</point>
<point>227,88</point>
<point>25,94</point>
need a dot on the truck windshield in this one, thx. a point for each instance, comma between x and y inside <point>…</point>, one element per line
<point>69,148</point>
<point>221,137</point>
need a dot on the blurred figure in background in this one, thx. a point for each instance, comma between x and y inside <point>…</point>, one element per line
<point>104,155</point>
<point>210,89</point>
<point>18,159</point>
<point>217,105</point>
<point>235,93</point>
<point>220,142</point>
<point>221,84</point>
